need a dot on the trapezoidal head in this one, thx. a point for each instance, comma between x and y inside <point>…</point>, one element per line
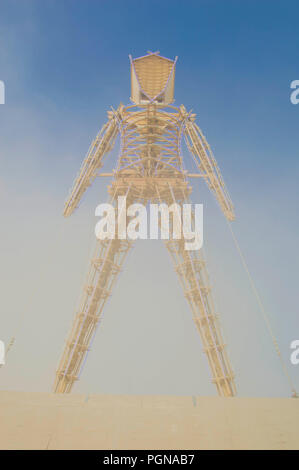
<point>152,79</point>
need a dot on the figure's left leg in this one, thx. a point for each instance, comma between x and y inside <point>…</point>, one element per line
<point>193,276</point>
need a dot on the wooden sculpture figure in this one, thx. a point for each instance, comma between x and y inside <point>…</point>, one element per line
<point>149,169</point>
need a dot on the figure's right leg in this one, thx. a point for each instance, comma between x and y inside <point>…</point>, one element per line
<point>105,265</point>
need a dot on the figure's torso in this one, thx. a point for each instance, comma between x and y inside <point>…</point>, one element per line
<point>150,142</point>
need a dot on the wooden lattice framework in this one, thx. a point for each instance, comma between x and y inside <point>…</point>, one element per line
<point>150,168</point>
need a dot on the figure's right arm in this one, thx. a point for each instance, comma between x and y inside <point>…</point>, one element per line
<point>102,144</point>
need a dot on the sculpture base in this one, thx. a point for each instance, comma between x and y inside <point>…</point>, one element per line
<point>48,421</point>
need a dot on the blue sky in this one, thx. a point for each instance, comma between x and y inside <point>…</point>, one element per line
<point>64,63</point>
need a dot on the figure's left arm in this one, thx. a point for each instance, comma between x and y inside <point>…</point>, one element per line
<point>207,165</point>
